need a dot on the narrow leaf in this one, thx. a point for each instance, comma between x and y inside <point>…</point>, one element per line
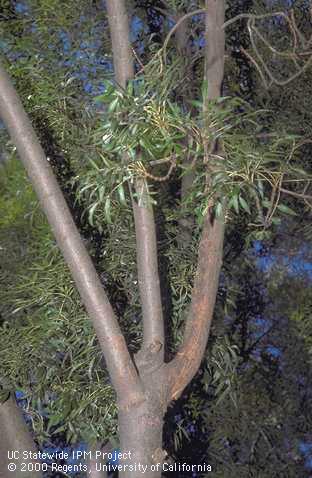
<point>244,204</point>
<point>107,210</point>
<point>285,209</point>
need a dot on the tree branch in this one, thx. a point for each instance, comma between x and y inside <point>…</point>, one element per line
<point>153,326</point>
<point>251,19</point>
<point>118,360</point>
<point>186,223</point>
<point>148,275</point>
<point>297,195</point>
<point>214,48</point>
<point>177,25</point>
<point>185,364</point>
<point>120,37</point>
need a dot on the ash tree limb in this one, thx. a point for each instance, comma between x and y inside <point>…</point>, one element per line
<point>119,363</point>
<point>146,244</point>
<point>148,275</point>
<point>186,224</point>
<point>120,38</point>
<point>214,47</point>
<point>187,360</point>
<point>140,427</point>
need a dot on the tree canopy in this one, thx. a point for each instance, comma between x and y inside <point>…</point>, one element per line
<point>248,405</point>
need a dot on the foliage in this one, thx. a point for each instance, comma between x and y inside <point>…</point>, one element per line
<point>247,179</point>
<point>64,376</point>
<point>146,131</point>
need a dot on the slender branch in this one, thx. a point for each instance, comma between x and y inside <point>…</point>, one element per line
<point>118,360</point>
<point>177,25</point>
<point>184,366</point>
<point>187,360</point>
<point>297,195</point>
<point>148,276</point>
<point>120,37</point>
<point>248,16</point>
<point>252,28</point>
<point>149,284</point>
<point>296,29</point>
<point>253,61</point>
<point>256,342</point>
<point>265,66</point>
<point>165,13</point>
<point>186,223</point>
<point>292,56</point>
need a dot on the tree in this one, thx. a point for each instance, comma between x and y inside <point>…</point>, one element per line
<point>148,383</point>
<point>16,437</point>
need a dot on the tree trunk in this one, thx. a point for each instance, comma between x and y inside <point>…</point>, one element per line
<point>16,437</point>
<point>95,465</point>
<point>140,431</point>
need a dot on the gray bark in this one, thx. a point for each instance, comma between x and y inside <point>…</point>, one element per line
<point>15,436</point>
<point>140,431</point>
<point>183,367</point>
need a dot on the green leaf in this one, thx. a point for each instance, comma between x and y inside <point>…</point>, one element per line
<point>121,194</point>
<point>92,211</point>
<point>219,210</point>
<point>260,188</point>
<point>54,420</point>
<point>285,209</point>
<point>197,104</point>
<point>223,395</point>
<point>266,203</point>
<point>94,164</point>
<point>145,143</point>
<point>105,161</point>
<point>244,204</point>
<point>107,210</point>
<point>234,202</point>
<point>300,171</point>
<point>101,193</point>
<point>204,89</point>
<point>276,221</point>
<point>113,105</point>
<point>100,98</point>
<point>219,177</point>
